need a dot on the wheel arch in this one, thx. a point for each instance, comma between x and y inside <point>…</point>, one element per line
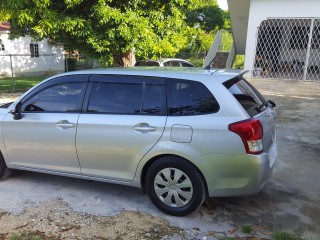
<point>4,170</point>
<point>2,157</point>
<point>156,158</point>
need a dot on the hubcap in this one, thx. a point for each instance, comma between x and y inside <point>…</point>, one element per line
<point>173,187</point>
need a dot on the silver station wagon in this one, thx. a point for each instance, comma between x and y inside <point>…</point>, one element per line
<point>182,135</point>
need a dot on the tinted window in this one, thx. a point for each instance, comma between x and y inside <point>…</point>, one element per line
<point>63,97</point>
<point>153,99</point>
<point>246,94</point>
<point>147,63</point>
<point>167,64</point>
<point>183,64</point>
<point>116,98</point>
<point>190,98</point>
<point>171,64</point>
<point>126,98</point>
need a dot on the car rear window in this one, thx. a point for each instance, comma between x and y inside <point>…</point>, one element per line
<point>249,97</point>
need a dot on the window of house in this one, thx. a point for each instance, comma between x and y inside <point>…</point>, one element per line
<point>190,98</point>
<point>34,50</point>
<point>1,46</point>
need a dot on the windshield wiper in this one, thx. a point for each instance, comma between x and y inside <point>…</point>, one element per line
<point>266,104</point>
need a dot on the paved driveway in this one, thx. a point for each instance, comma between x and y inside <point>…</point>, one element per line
<point>290,201</point>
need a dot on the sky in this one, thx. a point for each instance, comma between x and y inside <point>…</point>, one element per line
<point>223,4</point>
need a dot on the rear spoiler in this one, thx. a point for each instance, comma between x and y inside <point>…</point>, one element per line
<point>229,83</point>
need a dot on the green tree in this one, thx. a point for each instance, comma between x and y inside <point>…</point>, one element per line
<point>207,16</point>
<point>148,28</point>
<point>205,19</point>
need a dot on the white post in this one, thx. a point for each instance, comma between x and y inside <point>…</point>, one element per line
<point>11,72</point>
<point>306,63</point>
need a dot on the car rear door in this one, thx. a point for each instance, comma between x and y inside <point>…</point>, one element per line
<point>122,119</point>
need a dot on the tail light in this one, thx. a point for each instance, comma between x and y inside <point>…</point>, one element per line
<point>251,133</point>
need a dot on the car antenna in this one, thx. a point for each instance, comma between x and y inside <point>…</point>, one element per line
<point>208,66</point>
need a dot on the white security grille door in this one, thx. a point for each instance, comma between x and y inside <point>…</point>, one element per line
<point>313,69</point>
<point>288,49</point>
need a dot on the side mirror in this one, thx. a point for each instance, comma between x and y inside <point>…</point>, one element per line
<point>17,112</point>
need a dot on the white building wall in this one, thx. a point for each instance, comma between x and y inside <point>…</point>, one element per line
<point>263,9</point>
<point>50,60</point>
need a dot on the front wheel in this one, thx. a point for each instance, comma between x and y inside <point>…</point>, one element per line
<point>175,186</point>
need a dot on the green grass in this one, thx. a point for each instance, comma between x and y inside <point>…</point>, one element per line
<point>285,236</point>
<point>31,235</point>
<point>18,83</point>
<point>248,229</point>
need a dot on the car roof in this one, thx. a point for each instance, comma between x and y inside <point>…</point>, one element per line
<point>174,59</point>
<point>164,60</point>
<point>148,60</point>
<point>197,74</point>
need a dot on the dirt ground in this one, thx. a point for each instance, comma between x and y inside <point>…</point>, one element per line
<point>55,219</point>
<point>53,207</point>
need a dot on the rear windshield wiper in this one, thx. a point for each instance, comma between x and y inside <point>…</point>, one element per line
<point>266,104</point>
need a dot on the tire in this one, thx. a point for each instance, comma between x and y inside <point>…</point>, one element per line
<point>4,171</point>
<point>163,185</point>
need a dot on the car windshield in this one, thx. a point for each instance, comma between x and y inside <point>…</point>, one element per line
<point>147,63</point>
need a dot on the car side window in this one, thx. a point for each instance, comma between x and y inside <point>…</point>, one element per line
<point>153,99</point>
<point>189,98</point>
<point>126,98</point>
<point>171,64</point>
<point>116,98</point>
<point>184,64</point>
<point>63,97</point>
<point>167,64</point>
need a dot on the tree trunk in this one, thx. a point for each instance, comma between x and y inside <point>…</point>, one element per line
<point>127,59</point>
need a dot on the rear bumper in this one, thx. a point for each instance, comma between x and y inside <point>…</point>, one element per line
<point>237,175</point>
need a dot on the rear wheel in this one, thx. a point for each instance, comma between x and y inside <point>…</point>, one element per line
<point>175,186</point>
<point>4,171</point>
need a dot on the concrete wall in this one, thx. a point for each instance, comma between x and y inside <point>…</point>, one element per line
<point>263,9</point>
<point>50,61</point>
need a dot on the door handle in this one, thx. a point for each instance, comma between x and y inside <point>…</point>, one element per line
<point>144,128</point>
<point>149,129</point>
<point>65,124</point>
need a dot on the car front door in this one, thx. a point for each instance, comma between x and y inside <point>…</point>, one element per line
<point>44,138</point>
<point>122,119</point>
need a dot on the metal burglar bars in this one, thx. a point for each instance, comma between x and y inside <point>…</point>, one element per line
<point>288,49</point>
